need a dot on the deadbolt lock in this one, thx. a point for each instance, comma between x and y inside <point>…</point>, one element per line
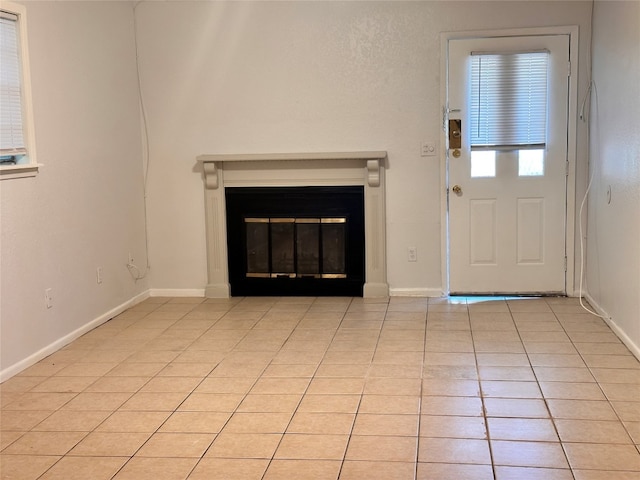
<point>455,133</point>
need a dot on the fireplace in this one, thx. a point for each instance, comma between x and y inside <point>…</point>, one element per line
<point>356,171</point>
<point>295,240</point>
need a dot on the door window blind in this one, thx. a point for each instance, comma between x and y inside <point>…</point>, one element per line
<point>508,105</point>
<point>11,125</point>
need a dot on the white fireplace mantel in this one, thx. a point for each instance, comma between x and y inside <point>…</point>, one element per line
<point>295,169</point>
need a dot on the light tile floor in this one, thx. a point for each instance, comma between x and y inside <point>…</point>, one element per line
<point>327,388</point>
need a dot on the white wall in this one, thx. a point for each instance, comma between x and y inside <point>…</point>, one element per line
<point>84,209</point>
<point>260,77</point>
<point>229,77</point>
<point>613,242</point>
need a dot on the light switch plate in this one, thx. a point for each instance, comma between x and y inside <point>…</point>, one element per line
<point>428,149</point>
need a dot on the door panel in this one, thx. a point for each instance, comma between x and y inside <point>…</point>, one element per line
<point>507,212</point>
<point>482,231</point>
<point>531,231</point>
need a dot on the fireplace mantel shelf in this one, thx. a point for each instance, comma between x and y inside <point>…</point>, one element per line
<point>262,157</point>
<point>371,159</point>
<point>366,168</point>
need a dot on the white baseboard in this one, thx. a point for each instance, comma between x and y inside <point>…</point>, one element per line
<point>375,290</point>
<point>415,292</point>
<point>635,349</point>
<point>200,292</point>
<point>16,368</point>
<point>177,292</point>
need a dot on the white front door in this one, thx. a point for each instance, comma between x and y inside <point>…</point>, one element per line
<point>507,198</point>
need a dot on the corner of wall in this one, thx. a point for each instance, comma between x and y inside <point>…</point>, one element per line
<point>53,347</point>
<point>633,347</point>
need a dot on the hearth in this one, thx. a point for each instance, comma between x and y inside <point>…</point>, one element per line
<point>296,240</point>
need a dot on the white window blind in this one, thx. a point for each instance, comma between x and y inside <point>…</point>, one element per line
<point>11,125</point>
<point>508,107</point>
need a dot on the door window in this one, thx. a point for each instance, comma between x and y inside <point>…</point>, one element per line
<point>483,163</point>
<point>531,163</point>
<point>508,101</point>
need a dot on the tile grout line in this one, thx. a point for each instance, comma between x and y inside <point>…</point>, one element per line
<point>156,375</point>
<point>199,459</point>
<point>301,397</point>
<point>504,377</point>
<point>357,409</point>
<point>108,416</point>
<point>544,398</point>
<point>423,364</point>
<point>482,396</point>
<point>608,400</point>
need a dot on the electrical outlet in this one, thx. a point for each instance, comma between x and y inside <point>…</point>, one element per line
<point>99,275</point>
<point>48,298</point>
<point>412,254</point>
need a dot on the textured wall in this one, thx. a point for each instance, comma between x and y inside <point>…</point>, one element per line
<point>613,240</point>
<point>84,209</point>
<point>261,77</point>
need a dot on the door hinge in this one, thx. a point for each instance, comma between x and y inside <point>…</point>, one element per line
<point>569,68</point>
<point>565,263</point>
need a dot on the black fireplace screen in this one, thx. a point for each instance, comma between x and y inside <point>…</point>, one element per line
<point>295,240</point>
<point>296,247</point>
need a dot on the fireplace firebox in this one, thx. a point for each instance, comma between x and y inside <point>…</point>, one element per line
<point>296,240</point>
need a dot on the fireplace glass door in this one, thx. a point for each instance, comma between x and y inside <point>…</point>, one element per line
<point>296,247</point>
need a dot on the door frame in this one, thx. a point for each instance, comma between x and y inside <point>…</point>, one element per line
<point>570,220</point>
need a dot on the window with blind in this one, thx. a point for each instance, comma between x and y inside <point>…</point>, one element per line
<point>508,100</point>
<point>508,111</point>
<point>16,152</point>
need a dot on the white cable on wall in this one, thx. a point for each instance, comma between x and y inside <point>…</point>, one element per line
<point>592,88</point>
<point>585,116</point>
<point>134,270</point>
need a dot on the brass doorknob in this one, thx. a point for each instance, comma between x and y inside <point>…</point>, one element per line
<point>457,189</point>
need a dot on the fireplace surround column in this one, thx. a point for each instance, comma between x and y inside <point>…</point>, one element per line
<point>295,169</point>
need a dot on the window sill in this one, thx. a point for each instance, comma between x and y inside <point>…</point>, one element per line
<point>8,172</point>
